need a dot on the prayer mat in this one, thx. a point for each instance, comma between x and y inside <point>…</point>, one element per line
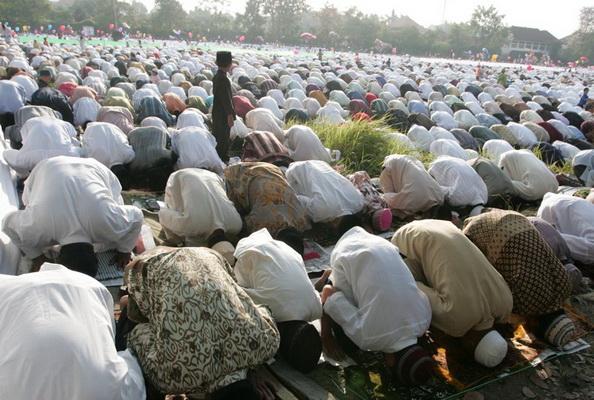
<point>455,371</point>
<point>108,273</point>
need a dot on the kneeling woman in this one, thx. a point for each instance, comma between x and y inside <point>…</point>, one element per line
<point>537,279</point>
<point>198,331</point>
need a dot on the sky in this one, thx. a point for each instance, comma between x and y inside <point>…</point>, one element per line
<point>560,17</point>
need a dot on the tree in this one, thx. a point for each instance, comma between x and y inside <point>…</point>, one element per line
<point>252,21</point>
<point>580,43</point>
<point>25,12</point>
<point>134,14</point>
<point>587,20</point>
<point>328,23</point>
<point>166,16</point>
<point>460,38</point>
<point>89,12</point>
<point>359,30</point>
<point>487,25</point>
<point>285,16</point>
<point>212,23</point>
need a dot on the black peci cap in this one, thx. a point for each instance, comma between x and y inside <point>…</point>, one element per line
<point>224,58</point>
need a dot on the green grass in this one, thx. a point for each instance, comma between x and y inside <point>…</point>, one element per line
<point>564,168</point>
<point>363,144</point>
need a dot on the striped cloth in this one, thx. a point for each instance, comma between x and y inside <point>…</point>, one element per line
<point>153,107</point>
<point>23,115</point>
<point>267,85</point>
<point>264,146</point>
<point>150,147</point>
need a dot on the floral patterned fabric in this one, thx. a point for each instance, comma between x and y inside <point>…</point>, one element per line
<point>263,196</point>
<point>537,279</point>
<point>373,197</point>
<point>200,330</point>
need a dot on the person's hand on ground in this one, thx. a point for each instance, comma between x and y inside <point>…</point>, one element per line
<point>327,291</point>
<point>122,259</point>
<point>37,262</point>
<point>123,301</point>
<point>265,389</point>
<point>323,280</point>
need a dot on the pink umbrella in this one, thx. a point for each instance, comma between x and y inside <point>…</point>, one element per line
<point>308,36</point>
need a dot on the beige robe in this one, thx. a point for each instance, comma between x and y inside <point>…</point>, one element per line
<point>465,291</point>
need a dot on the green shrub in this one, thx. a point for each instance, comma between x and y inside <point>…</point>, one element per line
<point>363,144</point>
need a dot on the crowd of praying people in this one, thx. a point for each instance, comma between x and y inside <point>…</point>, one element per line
<point>231,291</point>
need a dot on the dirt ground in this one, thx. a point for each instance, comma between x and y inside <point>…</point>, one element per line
<point>570,377</point>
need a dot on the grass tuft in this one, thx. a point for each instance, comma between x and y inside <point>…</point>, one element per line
<point>363,144</point>
<point>564,168</point>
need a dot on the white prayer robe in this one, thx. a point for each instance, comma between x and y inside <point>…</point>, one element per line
<point>524,136</point>
<point>420,136</point>
<point>190,118</point>
<point>72,200</point>
<point>197,205</point>
<point>12,96</point>
<point>530,176</point>
<point>585,158</point>
<point>196,148</point>
<point>330,114</point>
<point>574,218</point>
<point>494,148</point>
<point>447,147</point>
<point>305,145</point>
<point>43,138</point>
<point>57,340</point>
<point>262,119</point>
<point>273,274</point>
<point>568,151</point>
<point>323,192</point>
<point>27,83</point>
<point>10,254</point>
<point>444,120</point>
<point>377,303</point>
<point>107,144</point>
<point>407,187</point>
<point>271,104</point>
<point>85,109</point>
<point>460,182</point>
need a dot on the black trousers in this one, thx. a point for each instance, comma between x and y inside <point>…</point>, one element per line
<point>222,133</point>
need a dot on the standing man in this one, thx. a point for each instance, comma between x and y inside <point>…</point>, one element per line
<point>223,113</point>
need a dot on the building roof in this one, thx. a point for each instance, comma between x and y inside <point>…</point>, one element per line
<point>532,35</point>
<point>403,21</point>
